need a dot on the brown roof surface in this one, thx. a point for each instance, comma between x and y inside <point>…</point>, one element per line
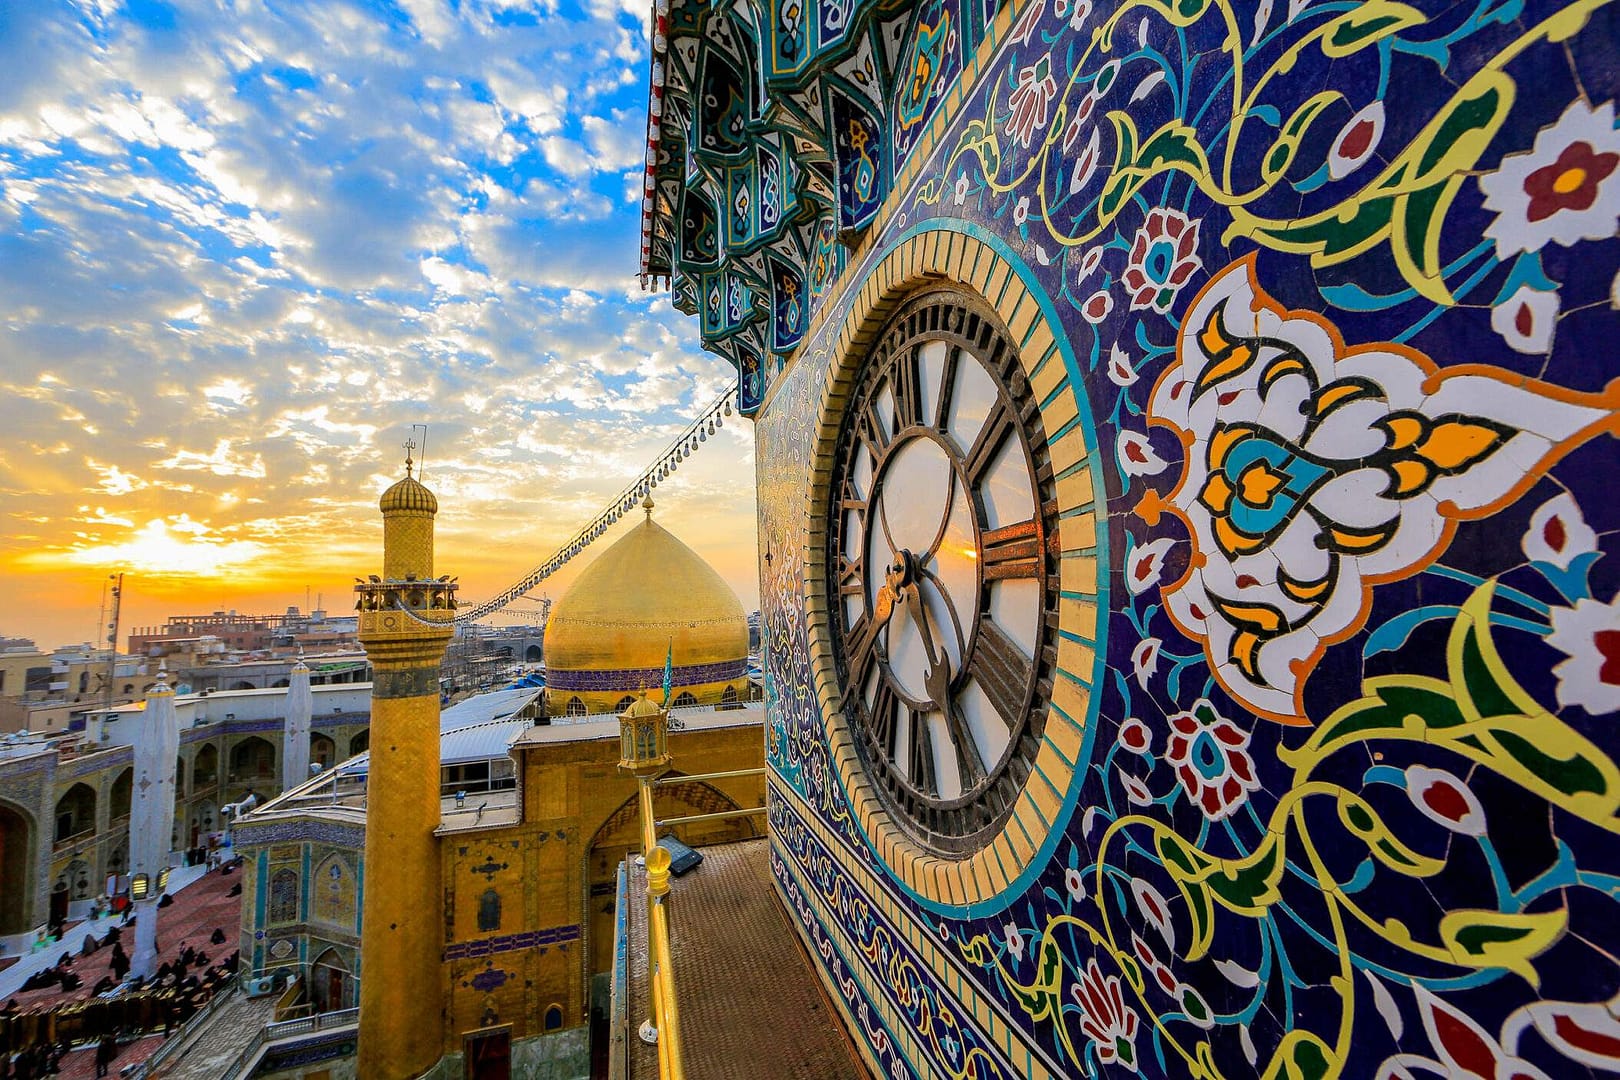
<point>750,1004</point>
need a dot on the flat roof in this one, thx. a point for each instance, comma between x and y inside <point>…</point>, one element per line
<point>731,943</point>
<point>606,725</point>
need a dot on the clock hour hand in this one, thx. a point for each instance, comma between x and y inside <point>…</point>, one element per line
<point>883,604</point>
<point>937,682</point>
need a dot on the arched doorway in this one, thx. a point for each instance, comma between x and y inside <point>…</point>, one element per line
<point>179,775</point>
<point>322,750</point>
<point>17,849</point>
<point>123,789</point>
<point>75,812</point>
<point>253,759</point>
<point>205,768</point>
<point>243,684</point>
<point>330,983</point>
<point>532,654</point>
<point>79,881</point>
<point>360,742</point>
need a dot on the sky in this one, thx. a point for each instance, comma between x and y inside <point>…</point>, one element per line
<point>244,246</point>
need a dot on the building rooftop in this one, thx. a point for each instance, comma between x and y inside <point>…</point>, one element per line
<point>606,725</point>
<point>731,945</point>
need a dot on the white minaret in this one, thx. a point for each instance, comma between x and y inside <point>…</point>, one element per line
<point>300,707</point>
<point>151,816</point>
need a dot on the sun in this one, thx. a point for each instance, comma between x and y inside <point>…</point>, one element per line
<point>177,547</point>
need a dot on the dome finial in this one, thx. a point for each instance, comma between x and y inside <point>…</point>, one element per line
<point>647,505</point>
<point>410,444</point>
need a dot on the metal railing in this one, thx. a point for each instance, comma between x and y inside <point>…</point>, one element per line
<point>284,1029</point>
<point>172,1045</point>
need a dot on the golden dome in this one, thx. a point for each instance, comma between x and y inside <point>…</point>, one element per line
<point>647,596</point>
<point>408,494</point>
<point>643,706</point>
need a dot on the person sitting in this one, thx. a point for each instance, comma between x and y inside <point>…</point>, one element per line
<point>104,984</point>
<point>114,935</point>
<point>217,937</point>
<point>41,980</point>
<point>71,981</point>
<point>236,890</point>
<point>165,900</point>
<point>164,970</point>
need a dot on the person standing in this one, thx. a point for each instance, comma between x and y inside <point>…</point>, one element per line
<point>106,1051</point>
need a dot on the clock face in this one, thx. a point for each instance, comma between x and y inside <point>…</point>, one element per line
<point>942,572</point>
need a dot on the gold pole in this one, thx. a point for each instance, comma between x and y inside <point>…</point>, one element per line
<point>662,972</point>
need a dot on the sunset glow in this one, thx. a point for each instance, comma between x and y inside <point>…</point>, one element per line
<point>246,251</point>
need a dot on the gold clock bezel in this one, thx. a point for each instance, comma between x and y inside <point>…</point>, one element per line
<point>932,258</point>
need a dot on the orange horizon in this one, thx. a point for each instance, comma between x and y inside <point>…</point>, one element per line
<point>174,565</point>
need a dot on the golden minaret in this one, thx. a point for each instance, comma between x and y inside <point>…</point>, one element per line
<point>405,624</point>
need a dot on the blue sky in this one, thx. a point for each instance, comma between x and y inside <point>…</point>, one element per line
<point>243,246</point>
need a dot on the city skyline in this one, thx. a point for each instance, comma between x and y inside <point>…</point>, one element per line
<point>244,252</point>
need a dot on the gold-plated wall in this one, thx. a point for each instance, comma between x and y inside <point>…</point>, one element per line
<point>407,544</point>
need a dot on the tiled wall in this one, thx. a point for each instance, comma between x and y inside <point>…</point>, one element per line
<point>1321,300</point>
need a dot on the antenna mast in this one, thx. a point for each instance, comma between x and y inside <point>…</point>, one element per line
<point>421,462</point>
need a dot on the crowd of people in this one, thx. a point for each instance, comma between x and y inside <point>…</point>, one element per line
<point>35,1039</point>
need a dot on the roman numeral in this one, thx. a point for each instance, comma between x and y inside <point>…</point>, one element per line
<point>996,426</point>
<point>1012,551</point>
<point>880,717</point>
<point>920,756</point>
<point>871,432</point>
<point>969,762</point>
<point>947,384</point>
<point>907,391</point>
<point>860,653</point>
<point>850,579</point>
<point>1002,670</point>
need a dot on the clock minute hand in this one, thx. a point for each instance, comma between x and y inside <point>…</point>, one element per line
<point>937,679</point>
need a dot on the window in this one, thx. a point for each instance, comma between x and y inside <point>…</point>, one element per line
<point>685,700</point>
<point>729,697</point>
<point>554,1017</point>
<point>489,911</point>
<point>624,703</point>
<point>575,707</point>
<point>284,896</point>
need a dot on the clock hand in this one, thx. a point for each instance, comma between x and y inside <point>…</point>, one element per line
<point>883,605</point>
<point>937,681</point>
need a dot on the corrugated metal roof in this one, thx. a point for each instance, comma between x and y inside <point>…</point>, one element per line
<point>478,742</point>
<point>477,729</point>
<point>483,708</point>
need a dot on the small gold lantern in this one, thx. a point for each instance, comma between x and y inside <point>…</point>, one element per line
<point>139,887</point>
<point>644,738</point>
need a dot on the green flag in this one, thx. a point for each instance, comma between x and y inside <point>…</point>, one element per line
<point>669,671</point>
